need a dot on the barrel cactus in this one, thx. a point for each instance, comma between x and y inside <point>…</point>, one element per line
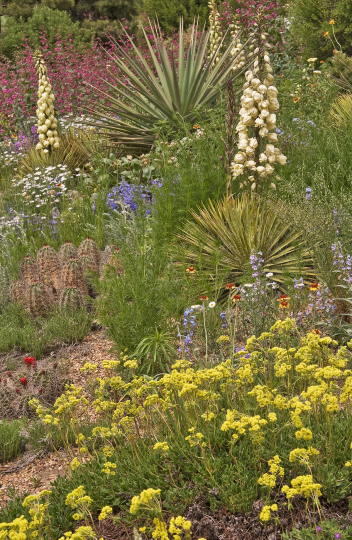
<point>38,299</point>
<point>67,251</point>
<point>50,268</point>
<point>29,271</point>
<point>72,276</point>
<point>17,292</point>
<point>71,297</point>
<point>88,248</point>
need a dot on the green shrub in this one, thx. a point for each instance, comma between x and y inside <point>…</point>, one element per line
<point>169,12</point>
<point>309,23</point>
<point>36,336</point>
<point>53,22</point>
<point>12,442</point>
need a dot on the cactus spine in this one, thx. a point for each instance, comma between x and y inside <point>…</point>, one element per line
<point>50,268</point>
<point>38,300</point>
<point>71,297</point>
<point>67,251</point>
<point>88,248</point>
<point>72,276</point>
<point>29,271</point>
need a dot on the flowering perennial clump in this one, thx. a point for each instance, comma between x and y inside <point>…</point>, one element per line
<point>47,123</point>
<point>259,104</point>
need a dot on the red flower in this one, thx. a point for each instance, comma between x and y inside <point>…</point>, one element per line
<point>191,270</point>
<point>54,364</point>
<point>284,304</point>
<point>43,372</point>
<point>30,361</point>
<point>230,286</point>
<point>204,297</point>
<point>283,298</point>
<point>17,391</point>
<point>23,381</point>
<point>8,373</point>
<point>5,381</point>
<point>316,331</point>
<point>40,390</point>
<point>314,287</point>
<point>236,298</point>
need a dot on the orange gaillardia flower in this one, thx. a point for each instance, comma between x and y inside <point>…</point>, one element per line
<point>325,33</point>
<point>296,99</point>
<point>314,287</point>
<point>230,286</point>
<point>196,126</point>
<point>332,21</point>
<point>284,305</point>
<point>203,297</point>
<point>236,298</point>
<point>191,270</point>
<point>283,297</point>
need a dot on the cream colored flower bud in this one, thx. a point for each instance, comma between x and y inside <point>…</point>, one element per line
<point>243,111</point>
<point>274,106</point>
<point>242,145</point>
<point>44,128</point>
<point>54,133</point>
<point>263,131</point>
<point>41,136</point>
<point>48,122</point>
<point>249,75</point>
<point>253,142</point>
<point>240,126</point>
<point>266,58</point>
<point>261,169</point>
<point>46,143</point>
<point>248,102</point>
<point>264,104</point>
<point>46,151</point>
<point>57,144</point>
<point>264,113</point>
<point>51,140</point>
<point>256,96</point>
<point>49,133</point>
<point>248,120</point>
<point>251,164</point>
<point>237,169</point>
<point>263,157</point>
<point>282,159</point>
<point>272,158</point>
<point>243,135</point>
<point>268,68</point>
<point>253,112</point>
<point>248,92</point>
<point>250,151</point>
<point>253,186</point>
<point>240,157</point>
<point>39,146</point>
<point>269,149</point>
<point>255,83</point>
<point>272,137</point>
<point>262,88</point>
<point>271,118</point>
<point>269,168</point>
<point>259,122</point>
<point>246,85</point>
<point>272,185</point>
<point>272,91</point>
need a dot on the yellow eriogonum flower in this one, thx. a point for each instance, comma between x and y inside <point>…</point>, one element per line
<point>105,512</point>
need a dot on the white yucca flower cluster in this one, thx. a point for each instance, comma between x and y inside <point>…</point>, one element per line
<point>258,107</point>
<point>215,34</point>
<point>237,46</point>
<point>47,123</point>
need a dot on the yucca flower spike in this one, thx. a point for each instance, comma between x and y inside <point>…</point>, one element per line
<point>47,123</point>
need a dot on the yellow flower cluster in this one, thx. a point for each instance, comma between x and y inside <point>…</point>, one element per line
<point>105,512</point>
<point>265,514</point>
<point>108,468</point>
<point>303,485</point>
<point>303,455</point>
<point>47,123</point>
<point>163,446</point>
<point>252,423</point>
<point>145,500</point>
<point>195,439</point>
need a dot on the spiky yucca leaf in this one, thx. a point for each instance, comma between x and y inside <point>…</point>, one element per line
<point>76,148</point>
<point>341,111</point>
<point>173,94</point>
<point>228,231</point>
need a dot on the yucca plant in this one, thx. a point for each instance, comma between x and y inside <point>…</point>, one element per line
<point>341,111</point>
<point>173,95</point>
<point>226,233</point>
<point>76,149</point>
